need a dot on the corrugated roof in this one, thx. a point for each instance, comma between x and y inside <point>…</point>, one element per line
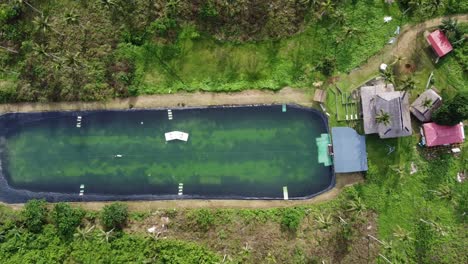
<point>439,43</point>
<point>437,135</point>
<point>379,97</point>
<point>349,150</point>
<point>368,105</point>
<point>422,113</point>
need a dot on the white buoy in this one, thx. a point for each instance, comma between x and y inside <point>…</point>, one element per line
<point>285,193</point>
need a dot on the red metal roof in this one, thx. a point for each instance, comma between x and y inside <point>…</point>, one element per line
<point>437,135</point>
<point>439,43</point>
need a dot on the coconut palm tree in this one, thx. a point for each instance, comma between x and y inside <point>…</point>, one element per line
<point>83,233</point>
<point>433,5</point>
<point>42,23</point>
<point>72,59</point>
<point>41,50</point>
<point>71,18</point>
<point>426,103</point>
<point>445,192</point>
<point>357,206</point>
<point>407,85</point>
<point>450,27</point>
<point>437,227</point>
<point>402,234</point>
<point>106,236</point>
<point>388,76</point>
<point>398,60</point>
<point>324,221</point>
<point>108,3</point>
<point>327,9</point>
<point>383,118</point>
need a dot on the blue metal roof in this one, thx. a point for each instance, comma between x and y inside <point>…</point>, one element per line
<point>349,150</point>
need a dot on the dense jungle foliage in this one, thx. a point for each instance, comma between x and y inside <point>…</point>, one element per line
<point>65,50</point>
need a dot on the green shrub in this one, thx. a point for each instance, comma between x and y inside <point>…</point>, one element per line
<point>453,111</point>
<point>203,219</point>
<point>114,216</point>
<point>291,219</point>
<point>208,10</point>
<point>34,215</point>
<point>66,219</point>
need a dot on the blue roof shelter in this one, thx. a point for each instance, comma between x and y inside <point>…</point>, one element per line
<point>349,150</point>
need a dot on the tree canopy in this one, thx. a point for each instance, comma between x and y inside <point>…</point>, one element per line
<point>452,111</point>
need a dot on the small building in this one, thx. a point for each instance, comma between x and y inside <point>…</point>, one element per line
<point>437,135</point>
<point>383,98</point>
<point>320,95</point>
<point>424,112</point>
<point>439,43</point>
<point>349,150</point>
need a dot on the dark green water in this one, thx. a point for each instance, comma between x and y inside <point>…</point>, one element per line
<point>231,152</point>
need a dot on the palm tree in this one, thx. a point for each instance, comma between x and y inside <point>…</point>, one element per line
<point>41,50</point>
<point>42,23</point>
<point>407,85</point>
<point>106,236</point>
<point>402,234</point>
<point>71,18</point>
<point>398,59</point>
<point>450,28</point>
<point>324,221</point>
<point>72,60</point>
<point>445,192</point>
<point>350,32</point>
<point>357,206</point>
<point>327,8</point>
<point>433,5</point>
<point>437,227</point>
<point>383,118</point>
<point>83,233</point>
<point>426,103</point>
<point>108,3</point>
<point>388,76</point>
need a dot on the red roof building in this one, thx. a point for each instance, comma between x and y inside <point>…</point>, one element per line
<point>439,42</point>
<point>437,135</point>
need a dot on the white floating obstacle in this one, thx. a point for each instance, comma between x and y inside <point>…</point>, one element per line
<point>285,193</point>
<point>78,121</point>
<point>176,135</point>
<point>169,114</point>
<point>181,189</point>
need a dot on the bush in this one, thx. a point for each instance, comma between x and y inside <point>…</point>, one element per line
<point>34,215</point>
<point>114,216</point>
<point>453,111</point>
<point>203,218</point>
<point>66,219</point>
<point>291,219</point>
<point>327,66</point>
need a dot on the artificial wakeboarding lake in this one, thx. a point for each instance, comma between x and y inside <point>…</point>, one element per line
<point>235,152</point>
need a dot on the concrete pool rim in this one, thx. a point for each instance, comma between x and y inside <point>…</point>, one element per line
<point>9,194</point>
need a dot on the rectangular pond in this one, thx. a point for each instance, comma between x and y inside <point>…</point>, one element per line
<point>242,152</point>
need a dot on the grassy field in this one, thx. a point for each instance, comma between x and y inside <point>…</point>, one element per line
<point>200,62</point>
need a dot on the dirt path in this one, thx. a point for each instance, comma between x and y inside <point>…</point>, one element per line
<point>404,47</point>
<point>285,95</point>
